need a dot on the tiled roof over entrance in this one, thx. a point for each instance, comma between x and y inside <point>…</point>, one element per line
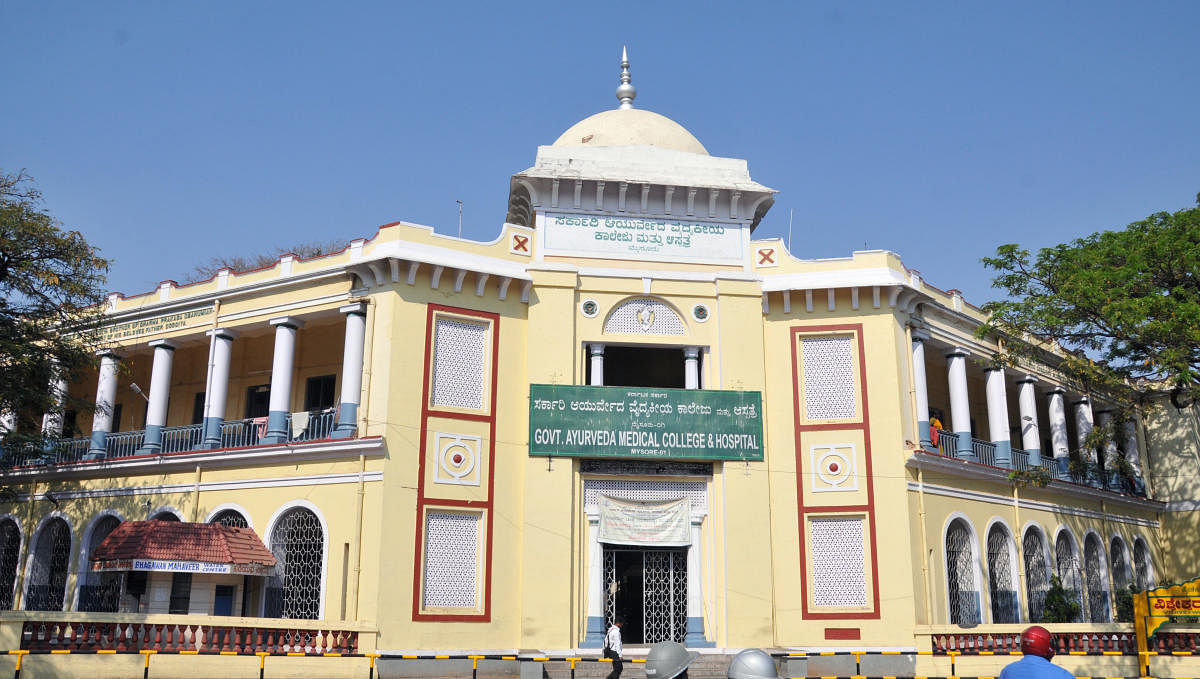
<point>177,541</point>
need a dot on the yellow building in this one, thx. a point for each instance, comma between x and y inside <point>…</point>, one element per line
<point>623,405</point>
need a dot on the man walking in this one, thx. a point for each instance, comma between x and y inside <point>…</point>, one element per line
<point>613,648</point>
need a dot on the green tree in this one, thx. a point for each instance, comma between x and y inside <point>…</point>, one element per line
<point>50,301</point>
<point>1125,305</point>
<point>1061,604</point>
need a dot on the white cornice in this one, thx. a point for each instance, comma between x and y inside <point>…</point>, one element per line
<point>454,259</point>
<point>205,459</point>
<point>237,484</point>
<point>851,278</point>
<point>156,308</point>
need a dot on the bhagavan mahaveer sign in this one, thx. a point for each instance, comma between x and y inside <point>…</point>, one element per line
<point>645,423</point>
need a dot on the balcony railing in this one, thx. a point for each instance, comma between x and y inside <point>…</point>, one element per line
<point>314,426</point>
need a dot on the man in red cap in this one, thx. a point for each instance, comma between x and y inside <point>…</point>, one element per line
<point>1038,646</point>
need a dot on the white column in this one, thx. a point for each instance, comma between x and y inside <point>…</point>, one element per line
<point>352,370</point>
<point>596,352</point>
<point>282,362</point>
<point>695,602</point>
<point>1059,443</point>
<point>921,387</point>
<point>1031,439</point>
<point>594,634</point>
<point>1083,426</point>
<point>960,405</point>
<point>997,405</point>
<point>106,399</point>
<point>691,367</point>
<point>8,423</point>
<point>220,352</point>
<point>1110,450</point>
<point>1132,454</point>
<point>52,421</point>
<point>160,392</point>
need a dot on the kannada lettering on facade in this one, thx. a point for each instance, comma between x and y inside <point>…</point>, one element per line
<point>654,239</point>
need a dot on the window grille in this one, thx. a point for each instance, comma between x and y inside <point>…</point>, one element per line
<point>1037,574</point>
<point>695,491</point>
<point>298,543</point>
<point>829,392</point>
<point>644,316</point>
<point>451,560</point>
<point>1141,565</point>
<point>1002,582</point>
<point>230,517</point>
<point>10,554</point>
<point>48,577</point>
<point>1120,566</point>
<point>101,591</point>
<point>181,593</point>
<point>838,562</point>
<point>460,353</point>
<point>1068,569</point>
<point>960,576</point>
<point>1097,593</point>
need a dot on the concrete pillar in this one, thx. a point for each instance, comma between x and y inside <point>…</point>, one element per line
<point>1084,423</point>
<point>106,399</point>
<point>1061,447</point>
<point>997,405</point>
<point>352,370</point>
<point>596,352</point>
<point>921,387</point>
<point>594,634</point>
<point>960,405</point>
<point>52,421</point>
<point>691,367</point>
<point>160,393</point>
<point>694,637</point>
<point>282,363</point>
<point>1111,476</point>
<point>1031,437</point>
<point>220,352</point>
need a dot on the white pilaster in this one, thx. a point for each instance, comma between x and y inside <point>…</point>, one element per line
<point>596,352</point>
<point>691,368</point>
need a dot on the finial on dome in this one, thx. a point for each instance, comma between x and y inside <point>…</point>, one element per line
<point>625,91</point>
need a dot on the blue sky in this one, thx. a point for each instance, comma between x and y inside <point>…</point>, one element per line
<point>170,133</point>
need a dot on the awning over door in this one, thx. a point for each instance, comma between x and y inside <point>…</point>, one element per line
<point>177,547</point>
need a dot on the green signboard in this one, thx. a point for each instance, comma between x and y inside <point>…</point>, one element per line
<point>645,423</point>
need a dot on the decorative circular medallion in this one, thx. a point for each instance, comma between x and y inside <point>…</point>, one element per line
<point>833,467</point>
<point>700,313</point>
<point>589,308</point>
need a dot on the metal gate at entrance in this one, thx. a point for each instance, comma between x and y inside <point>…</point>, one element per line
<point>649,589</point>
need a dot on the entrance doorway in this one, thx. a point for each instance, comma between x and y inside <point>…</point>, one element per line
<point>649,589</point>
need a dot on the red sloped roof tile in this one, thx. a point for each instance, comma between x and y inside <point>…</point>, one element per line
<point>178,541</point>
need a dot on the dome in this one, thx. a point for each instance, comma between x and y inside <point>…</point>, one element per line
<point>631,127</point>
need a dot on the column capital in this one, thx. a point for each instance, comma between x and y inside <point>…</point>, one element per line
<point>691,352</point>
<point>920,334</point>
<point>595,349</point>
<point>953,352</point>
<point>287,322</point>
<point>223,333</point>
<point>359,308</point>
<point>1082,401</point>
<point>993,368</point>
<point>109,352</point>
<point>1057,391</point>
<point>163,344</point>
<point>1027,379</point>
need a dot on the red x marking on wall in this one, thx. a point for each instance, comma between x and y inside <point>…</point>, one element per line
<point>520,243</point>
<point>766,256</point>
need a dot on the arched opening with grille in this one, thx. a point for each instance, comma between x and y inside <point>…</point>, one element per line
<point>1095,571</point>
<point>298,542</point>
<point>100,592</point>
<point>1037,572</point>
<point>1122,576</point>
<point>1143,567</point>
<point>1067,557</point>
<point>230,517</point>
<point>10,554</point>
<point>961,575</point>
<point>165,515</point>
<point>1002,575</point>
<point>48,572</point>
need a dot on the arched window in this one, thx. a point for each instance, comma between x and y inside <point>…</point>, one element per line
<point>10,554</point>
<point>1120,565</point>
<point>230,517</point>
<point>165,516</point>
<point>101,592</point>
<point>1002,578</point>
<point>1068,569</point>
<point>48,575</point>
<point>960,575</point>
<point>1037,573</point>
<point>1143,569</point>
<point>298,543</point>
<point>1096,577</point>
